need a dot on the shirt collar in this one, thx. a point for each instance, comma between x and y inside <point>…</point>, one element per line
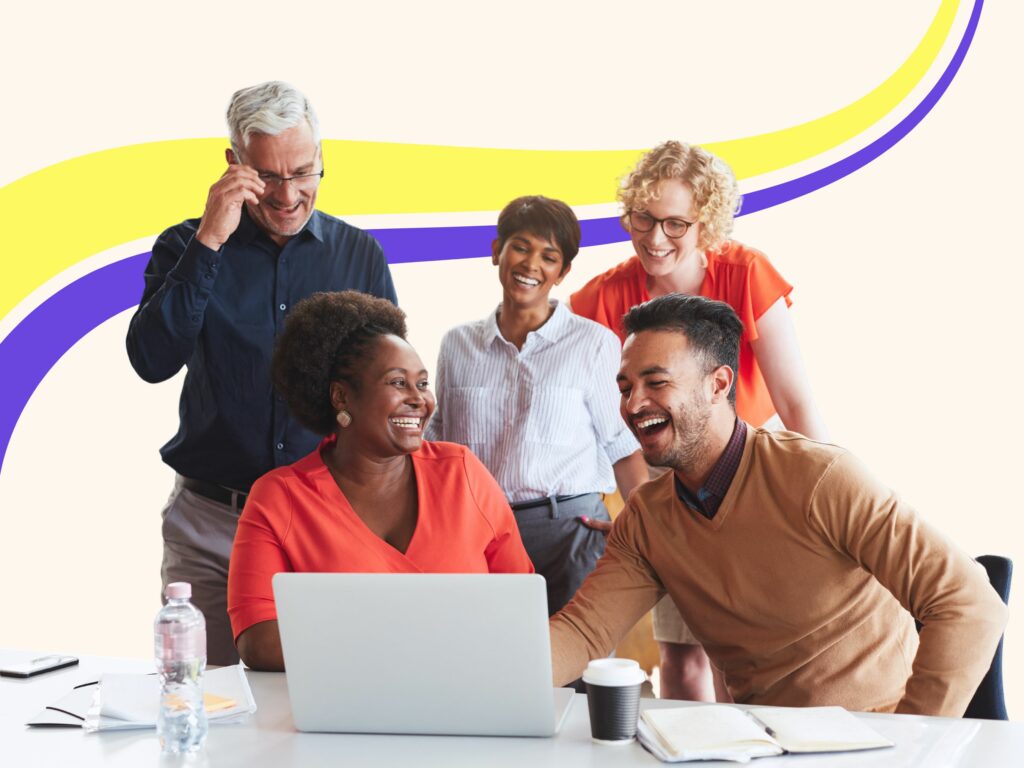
<point>491,330</point>
<point>551,331</point>
<point>249,229</point>
<point>724,471</point>
<point>555,326</point>
<point>710,495</point>
<point>315,225</point>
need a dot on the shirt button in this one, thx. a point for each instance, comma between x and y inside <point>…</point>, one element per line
<point>280,446</point>
<point>282,307</point>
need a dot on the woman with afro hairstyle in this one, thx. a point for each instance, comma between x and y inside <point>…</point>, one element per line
<point>374,497</point>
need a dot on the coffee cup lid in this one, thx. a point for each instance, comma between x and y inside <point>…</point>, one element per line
<point>613,672</point>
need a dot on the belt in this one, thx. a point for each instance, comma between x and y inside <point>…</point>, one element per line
<point>545,501</point>
<point>548,507</point>
<point>215,492</point>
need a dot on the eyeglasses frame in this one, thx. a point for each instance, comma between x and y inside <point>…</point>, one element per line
<point>656,222</point>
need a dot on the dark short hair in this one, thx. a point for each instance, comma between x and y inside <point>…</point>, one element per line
<point>328,337</point>
<point>712,328</point>
<point>545,217</point>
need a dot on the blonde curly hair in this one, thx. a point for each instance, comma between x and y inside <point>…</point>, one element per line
<point>715,192</point>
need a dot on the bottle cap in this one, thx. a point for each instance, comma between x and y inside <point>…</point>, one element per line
<point>177,590</point>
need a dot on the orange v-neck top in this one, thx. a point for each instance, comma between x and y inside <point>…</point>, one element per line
<point>740,276</point>
<point>296,519</point>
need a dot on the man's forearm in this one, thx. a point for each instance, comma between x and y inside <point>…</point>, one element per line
<point>953,657</point>
<point>621,589</point>
<point>961,615</point>
<point>594,621</point>
<point>570,651</point>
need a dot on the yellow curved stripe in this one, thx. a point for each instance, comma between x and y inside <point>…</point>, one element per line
<point>771,151</point>
<point>119,195</point>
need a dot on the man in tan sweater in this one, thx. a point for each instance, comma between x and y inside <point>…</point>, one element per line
<point>798,571</point>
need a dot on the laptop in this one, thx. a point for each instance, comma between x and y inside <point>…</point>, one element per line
<point>453,654</point>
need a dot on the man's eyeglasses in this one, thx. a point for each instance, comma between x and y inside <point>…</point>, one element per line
<point>673,228</point>
<point>302,181</point>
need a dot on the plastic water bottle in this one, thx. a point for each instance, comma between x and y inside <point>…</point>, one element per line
<point>180,631</point>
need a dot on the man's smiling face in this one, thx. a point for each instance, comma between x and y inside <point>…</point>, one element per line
<point>666,397</point>
<point>285,206</point>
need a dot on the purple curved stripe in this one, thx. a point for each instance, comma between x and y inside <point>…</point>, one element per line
<point>447,243</point>
<point>42,338</point>
<point>794,188</point>
<point>404,246</point>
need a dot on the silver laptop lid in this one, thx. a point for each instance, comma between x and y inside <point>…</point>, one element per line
<point>417,653</point>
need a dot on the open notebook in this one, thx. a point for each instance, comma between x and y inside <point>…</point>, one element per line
<point>721,732</point>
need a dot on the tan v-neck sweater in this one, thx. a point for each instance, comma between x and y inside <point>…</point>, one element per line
<point>802,588</point>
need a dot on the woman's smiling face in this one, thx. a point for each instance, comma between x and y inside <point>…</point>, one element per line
<point>529,266</point>
<point>392,402</point>
<point>661,255</point>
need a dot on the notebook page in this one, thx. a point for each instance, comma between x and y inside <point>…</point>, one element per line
<point>819,729</point>
<point>723,732</point>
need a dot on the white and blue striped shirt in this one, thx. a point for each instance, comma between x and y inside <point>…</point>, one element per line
<point>545,419</point>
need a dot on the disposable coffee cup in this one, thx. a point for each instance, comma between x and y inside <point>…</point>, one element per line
<point>613,697</point>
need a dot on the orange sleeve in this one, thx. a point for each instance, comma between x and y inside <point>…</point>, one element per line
<point>585,301</point>
<point>257,554</point>
<point>756,289</point>
<point>607,297</point>
<point>505,553</point>
<point>601,300</point>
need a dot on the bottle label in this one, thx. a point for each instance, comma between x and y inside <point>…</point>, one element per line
<point>178,646</point>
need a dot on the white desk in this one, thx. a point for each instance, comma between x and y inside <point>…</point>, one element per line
<point>270,739</point>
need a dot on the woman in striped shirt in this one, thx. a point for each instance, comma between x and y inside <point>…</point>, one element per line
<point>530,389</point>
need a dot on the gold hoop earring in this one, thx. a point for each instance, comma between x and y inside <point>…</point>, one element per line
<point>344,418</point>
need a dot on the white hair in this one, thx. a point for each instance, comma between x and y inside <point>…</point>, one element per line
<point>269,108</point>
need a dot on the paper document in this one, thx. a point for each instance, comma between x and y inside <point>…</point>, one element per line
<point>132,701</point>
<point>68,711</point>
<point>122,701</point>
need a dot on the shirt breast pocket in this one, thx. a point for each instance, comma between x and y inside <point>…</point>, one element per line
<point>472,414</point>
<point>556,416</point>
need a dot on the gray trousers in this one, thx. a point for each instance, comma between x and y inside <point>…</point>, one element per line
<point>198,534</point>
<point>562,548</point>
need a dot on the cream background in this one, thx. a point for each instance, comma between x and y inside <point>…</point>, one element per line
<point>906,272</point>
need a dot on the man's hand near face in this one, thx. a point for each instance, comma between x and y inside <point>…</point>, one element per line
<point>239,184</point>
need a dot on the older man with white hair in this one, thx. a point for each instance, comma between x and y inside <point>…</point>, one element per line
<point>217,290</point>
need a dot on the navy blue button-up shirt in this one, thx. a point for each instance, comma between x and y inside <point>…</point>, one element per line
<point>218,313</point>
